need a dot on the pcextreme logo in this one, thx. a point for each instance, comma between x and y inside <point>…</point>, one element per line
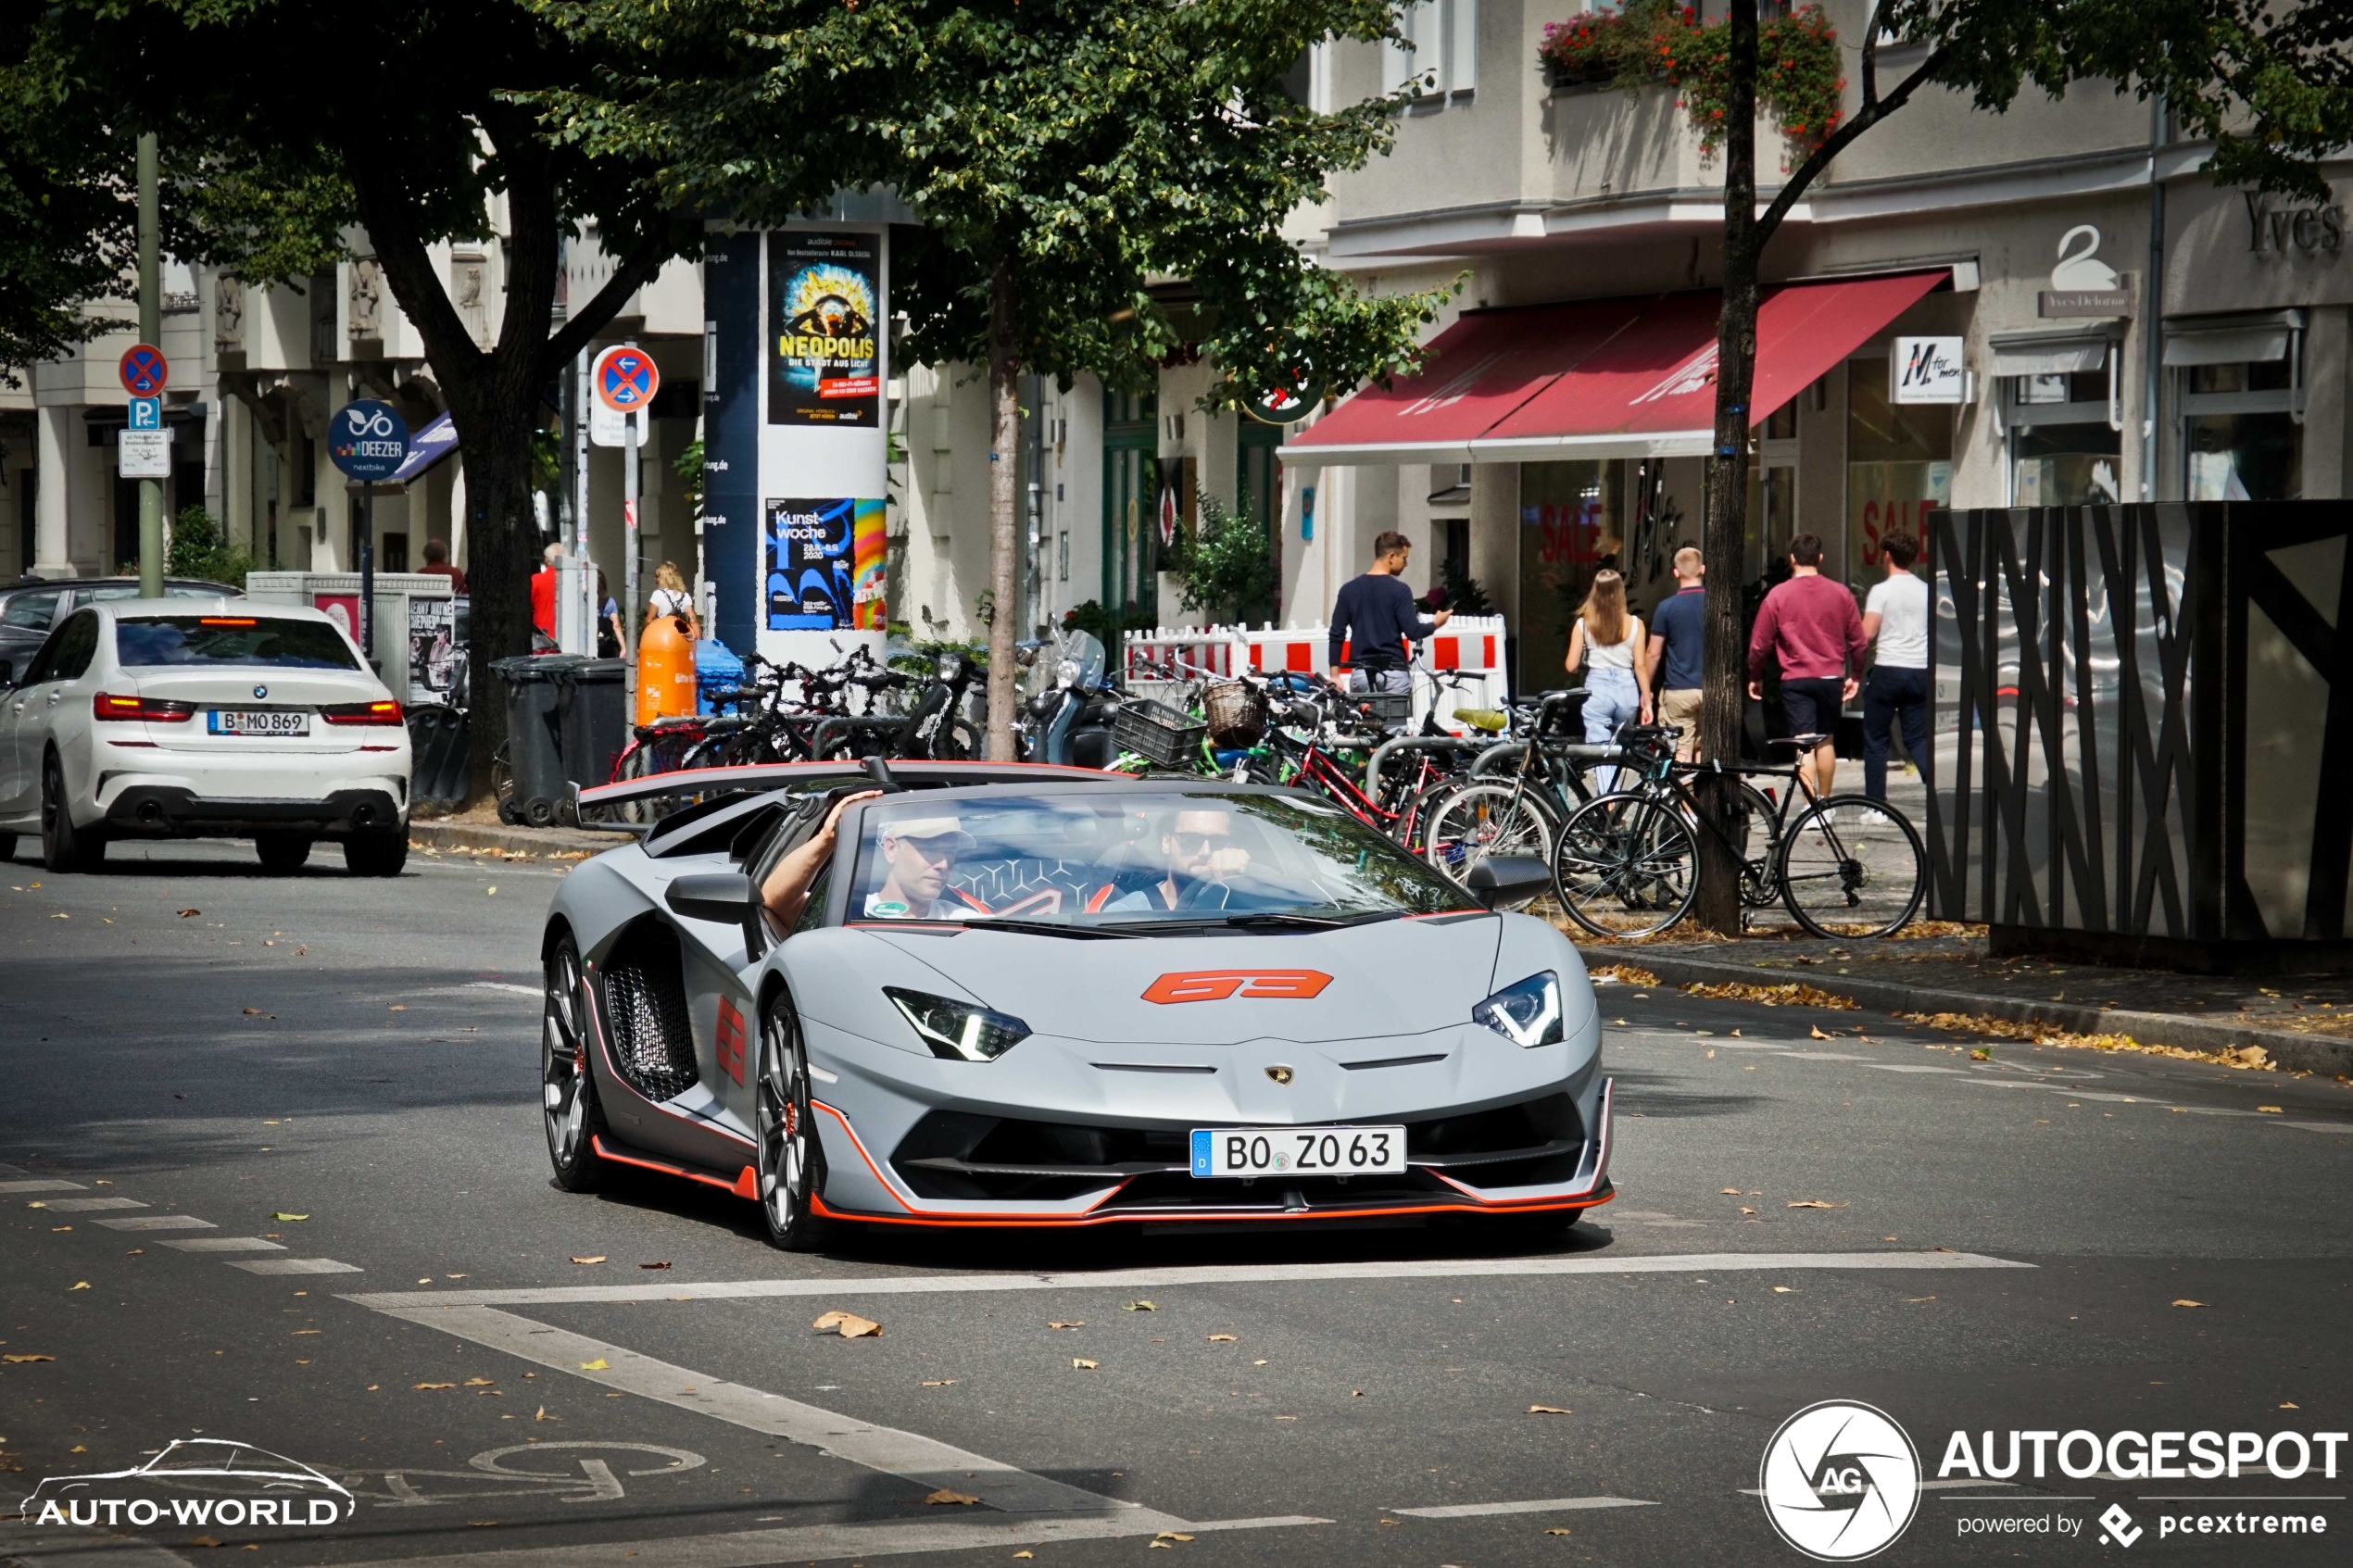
<point>1251,984</point>
<point>1841,1481</point>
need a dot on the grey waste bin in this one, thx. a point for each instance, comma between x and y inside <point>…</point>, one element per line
<point>592,708</point>
<point>534,742</point>
<point>439,755</point>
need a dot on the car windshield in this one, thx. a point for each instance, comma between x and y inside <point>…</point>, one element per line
<point>205,640</point>
<point>1103,859</point>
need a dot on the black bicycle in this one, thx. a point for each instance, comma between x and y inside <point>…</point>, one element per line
<point>1627,864</point>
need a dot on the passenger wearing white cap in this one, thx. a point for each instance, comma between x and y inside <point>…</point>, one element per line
<point>917,853</point>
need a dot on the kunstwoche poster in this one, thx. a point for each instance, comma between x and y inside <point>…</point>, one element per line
<point>824,358</point>
<point>824,565</point>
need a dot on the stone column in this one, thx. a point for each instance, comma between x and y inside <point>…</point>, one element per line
<point>52,554</point>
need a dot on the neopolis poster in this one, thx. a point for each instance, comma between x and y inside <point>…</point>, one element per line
<point>824,350</point>
<point>824,564</point>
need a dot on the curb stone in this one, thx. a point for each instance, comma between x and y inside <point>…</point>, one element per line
<point>2291,1051</point>
<point>535,842</point>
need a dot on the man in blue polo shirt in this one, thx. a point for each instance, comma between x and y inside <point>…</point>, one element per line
<point>1678,626</point>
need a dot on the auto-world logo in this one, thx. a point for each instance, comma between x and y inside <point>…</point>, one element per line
<point>1840,1481</point>
<point>242,1487</point>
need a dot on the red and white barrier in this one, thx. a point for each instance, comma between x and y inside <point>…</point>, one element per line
<point>1469,644</point>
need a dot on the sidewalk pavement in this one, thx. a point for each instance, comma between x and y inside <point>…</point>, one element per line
<point>495,838</point>
<point>2302,1023</point>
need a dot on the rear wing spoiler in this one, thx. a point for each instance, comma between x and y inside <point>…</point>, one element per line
<point>779,775</point>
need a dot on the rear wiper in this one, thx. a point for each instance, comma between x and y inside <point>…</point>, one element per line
<point>1045,928</point>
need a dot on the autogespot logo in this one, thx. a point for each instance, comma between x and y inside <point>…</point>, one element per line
<point>1840,1480</point>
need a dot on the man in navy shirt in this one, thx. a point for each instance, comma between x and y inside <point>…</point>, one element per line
<point>1677,628</point>
<point>1373,618</point>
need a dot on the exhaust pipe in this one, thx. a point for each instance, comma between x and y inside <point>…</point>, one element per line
<point>363,815</point>
<point>150,812</point>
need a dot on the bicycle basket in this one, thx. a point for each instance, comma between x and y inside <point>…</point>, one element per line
<point>1170,736</point>
<point>1237,713</point>
<point>1376,711</point>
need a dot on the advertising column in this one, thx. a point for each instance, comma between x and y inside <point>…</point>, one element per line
<point>823,445</point>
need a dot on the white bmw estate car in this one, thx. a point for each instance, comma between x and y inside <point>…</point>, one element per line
<point>202,719</point>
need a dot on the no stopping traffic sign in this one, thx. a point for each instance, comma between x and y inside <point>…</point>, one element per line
<point>625,379</point>
<point>143,369</point>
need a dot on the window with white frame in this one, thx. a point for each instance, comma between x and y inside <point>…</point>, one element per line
<point>2062,417</point>
<point>2238,391</point>
<point>1443,60</point>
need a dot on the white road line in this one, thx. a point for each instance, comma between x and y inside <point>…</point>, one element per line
<point>1895,1067</point>
<point>532,991</point>
<point>11,1170</point>
<point>294,1266</point>
<point>1175,1278</point>
<point>39,1184</point>
<point>924,1461</point>
<point>2339,1128</point>
<point>90,1205</point>
<point>160,1223</point>
<point>224,1244</point>
<point>822,1543</point>
<point>1542,1505</point>
<point>1827,1055</point>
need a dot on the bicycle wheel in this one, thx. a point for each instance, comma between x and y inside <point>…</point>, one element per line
<point>1851,866</point>
<point>1479,820</point>
<point>1753,831</point>
<point>1626,865</point>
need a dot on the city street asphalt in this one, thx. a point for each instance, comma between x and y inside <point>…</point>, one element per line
<point>332,1083</point>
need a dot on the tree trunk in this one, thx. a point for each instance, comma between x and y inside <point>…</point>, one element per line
<point>1004,435</point>
<point>1724,648</point>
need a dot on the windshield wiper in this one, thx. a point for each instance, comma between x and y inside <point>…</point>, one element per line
<point>1272,920</point>
<point>1045,928</point>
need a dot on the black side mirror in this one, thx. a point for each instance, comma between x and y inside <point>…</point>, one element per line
<point>1499,881</point>
<point>722,897</point>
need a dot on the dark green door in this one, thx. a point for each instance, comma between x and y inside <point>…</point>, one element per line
<point>1131,497</point>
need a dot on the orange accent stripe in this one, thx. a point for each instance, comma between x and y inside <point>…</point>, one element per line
<point>666,1169</point>
<point>1102,896</point>
<point>1222,1216</point>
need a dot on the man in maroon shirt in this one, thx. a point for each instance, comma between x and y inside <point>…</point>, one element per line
<point>1810,624</point>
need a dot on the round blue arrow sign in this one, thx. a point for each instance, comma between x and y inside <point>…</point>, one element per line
<point>368,440</point>
<point>626,379</point>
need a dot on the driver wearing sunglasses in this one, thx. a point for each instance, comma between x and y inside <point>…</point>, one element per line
<point>1198,849</point>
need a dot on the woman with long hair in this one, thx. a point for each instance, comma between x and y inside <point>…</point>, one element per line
<point>1608,642</point>
<point>670,597</point>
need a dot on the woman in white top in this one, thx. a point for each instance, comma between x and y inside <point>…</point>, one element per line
<point>672,599</point>
<point>1609,643</point>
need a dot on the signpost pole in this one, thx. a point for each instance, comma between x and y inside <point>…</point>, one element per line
<point>150,330</point>
<point>629,544</point>
<point>368,570</point>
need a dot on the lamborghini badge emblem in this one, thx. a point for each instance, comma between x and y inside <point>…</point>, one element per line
<point>1280,1074</point>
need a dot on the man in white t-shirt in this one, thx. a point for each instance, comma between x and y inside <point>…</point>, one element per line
<point>1895,620</point>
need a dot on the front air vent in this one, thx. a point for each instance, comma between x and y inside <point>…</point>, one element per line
<point>653,1043</point>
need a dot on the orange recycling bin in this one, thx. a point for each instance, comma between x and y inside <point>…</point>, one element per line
<point>665,670</point>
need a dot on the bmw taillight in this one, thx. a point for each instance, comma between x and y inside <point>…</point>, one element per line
<point>127,709</point>
<point>385,712</point>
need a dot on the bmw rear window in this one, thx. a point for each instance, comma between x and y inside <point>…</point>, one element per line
<point>249,640</point>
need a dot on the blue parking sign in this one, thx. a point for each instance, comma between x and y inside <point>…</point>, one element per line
<point>147,413</point>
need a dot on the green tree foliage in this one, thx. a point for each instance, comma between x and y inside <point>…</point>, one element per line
<point>1226,565</point>
<point>199,549</point>
<point>1067,158</point>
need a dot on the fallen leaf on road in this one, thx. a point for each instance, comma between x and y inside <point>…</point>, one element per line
<point>1083,1364</point>
<point>1389,1520</point>
<point>1746,1210</point>
<point>593,1258</point>
<point>184,914</point>
<point>1556,1530</point>
<point>1784,1290</point>
<point>1171,1536</point>
<point>252,1012</point>
<point>207,1540</point>
<point>477,1383</point>
<point>939,1383</point>
<point>2291,1407</point>
<point>432,1386</point>
<point>2270,1111</point>
<point>79,1449</point>
<point>849,1325</point>
<point>1915,1300</point>
<point>1814,1203</point>
<point>1164,1546</point>
<point>2185,1301</point>
<point>398,1007</point>
<point>2181,1111</point>
<point>1076,1323</point>
<point>1258,1363</point>
<point>1981,1055</point>
<point>1711,1054</point>
<point>600,1364</point>
<point>19,1361</point>
<point>1221,1339</point>
<point>661,1265</point>
<point>492,893</point>
<point>1139,1307</point>
<point>1550,1409</point>
<point>80,1284</point>
<point>1025,1554</point>
<point>543,1415</point>
<point>944,1495</point>
<point>1731,1192</point>
<point>290,1216</point>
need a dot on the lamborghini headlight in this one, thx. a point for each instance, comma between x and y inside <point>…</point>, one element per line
<point>959,1031</point>
<point>1528,1012</point>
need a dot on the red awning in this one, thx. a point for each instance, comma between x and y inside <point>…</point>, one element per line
<point>1612,378</point>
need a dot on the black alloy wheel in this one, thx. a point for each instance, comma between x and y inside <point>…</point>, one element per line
<point>791,1161</point>
<point>283,853</point>
<point>567,1090</point>
<point>65,848</point>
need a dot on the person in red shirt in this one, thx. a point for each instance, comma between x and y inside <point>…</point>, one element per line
<point>1811,626</point>
<point>543,592</point>
<point>437,565</point>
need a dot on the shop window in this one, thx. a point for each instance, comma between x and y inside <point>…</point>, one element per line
<point>1572,525</point>
<point>2061,419</point>
<point>1899,467</point>
<point>2243,432</point>
<point>392,553</point>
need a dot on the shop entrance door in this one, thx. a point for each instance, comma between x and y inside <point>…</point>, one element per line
<point>1131,492</point>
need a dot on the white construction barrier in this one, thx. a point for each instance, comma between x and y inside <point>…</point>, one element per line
<point>1467,646</point>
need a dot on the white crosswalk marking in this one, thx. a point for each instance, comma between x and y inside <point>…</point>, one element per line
<point>294,1266</point>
